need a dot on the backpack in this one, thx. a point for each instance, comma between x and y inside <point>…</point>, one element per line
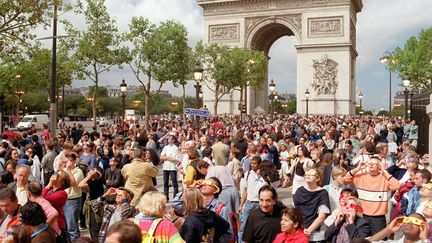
<point>148,237</point>
<point>233,220</point>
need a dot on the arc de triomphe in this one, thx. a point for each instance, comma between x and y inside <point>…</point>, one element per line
<point>325,31</point>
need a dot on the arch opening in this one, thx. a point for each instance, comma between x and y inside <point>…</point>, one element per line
<point>264,38</point>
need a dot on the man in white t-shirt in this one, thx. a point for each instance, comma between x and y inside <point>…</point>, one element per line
<point>169,157</point>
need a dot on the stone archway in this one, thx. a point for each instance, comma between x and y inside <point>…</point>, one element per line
<point>326,52</point>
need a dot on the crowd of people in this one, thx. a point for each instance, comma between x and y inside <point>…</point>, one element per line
<point>350,178</point>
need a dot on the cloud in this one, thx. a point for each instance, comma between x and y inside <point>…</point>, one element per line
<point>381,26</point>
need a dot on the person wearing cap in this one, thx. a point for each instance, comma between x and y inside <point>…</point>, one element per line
<point>374,187</point>
<point>112,213</point>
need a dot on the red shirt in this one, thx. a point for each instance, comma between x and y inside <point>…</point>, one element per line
<point>297,237</point>
<point>58,200</point>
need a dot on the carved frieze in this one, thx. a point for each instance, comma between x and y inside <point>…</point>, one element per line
<point>218,7</point>
<point>293,19</point>
<point>324,77</point>
<point>325,27</point>
<point>224,33</point>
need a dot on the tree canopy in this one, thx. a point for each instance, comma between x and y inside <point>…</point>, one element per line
<point>414,60</point>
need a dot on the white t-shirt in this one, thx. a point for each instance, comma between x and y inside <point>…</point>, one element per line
<point>170,150</point>
<point>252,183</point>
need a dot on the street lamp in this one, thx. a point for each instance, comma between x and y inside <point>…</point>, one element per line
<point>361,99</point>
<point>123,87</point>
<point>406,83</point>
<point>19,93</point>
<point>272,88</point>
<point>198,74</point>
<point>385,59</point>
<point>307,102</point>
<point>411,105</point>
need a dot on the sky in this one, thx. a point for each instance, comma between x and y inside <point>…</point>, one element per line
<point>382,25</point>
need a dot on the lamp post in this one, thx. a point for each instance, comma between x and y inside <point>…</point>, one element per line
<point>307,102</point>
<point>198,73</point>
<point>385,59</point>
<point>123,87</point>
<point>275,97</point>
<point>19,93</point>
<point>406,83</point>
<point>272,88</point>
<point>411,105</point>
<point>361,99</point>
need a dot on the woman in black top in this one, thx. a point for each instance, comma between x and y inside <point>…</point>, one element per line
<point>93,183</point>
<point>201,224</point>
<point>113,176</point>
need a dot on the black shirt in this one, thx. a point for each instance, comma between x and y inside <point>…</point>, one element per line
<point>262,227</point>
<point>96,188</point>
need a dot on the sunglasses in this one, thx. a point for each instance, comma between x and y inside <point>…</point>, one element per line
<point>412,220</point>
<point>356,208</point>
<point>409,159</point>
<point>211,183</point>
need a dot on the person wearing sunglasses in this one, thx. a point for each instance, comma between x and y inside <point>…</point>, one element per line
<point>349,223</point>
<point>374,187</point>
<point>414,228</point>
<point>211,188</point>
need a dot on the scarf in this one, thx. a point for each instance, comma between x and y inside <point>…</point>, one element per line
<point>309,202</point>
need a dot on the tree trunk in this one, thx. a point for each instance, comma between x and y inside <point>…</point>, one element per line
<point>96,83</point>
<point>184,102</point>
<point>216,100</point>
<point>147,93</point>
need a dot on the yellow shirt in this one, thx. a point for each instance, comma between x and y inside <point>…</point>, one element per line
<point>75,191</point>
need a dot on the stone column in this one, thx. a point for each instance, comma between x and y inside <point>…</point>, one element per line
<point>429,113</point>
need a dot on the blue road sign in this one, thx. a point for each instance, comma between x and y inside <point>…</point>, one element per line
<point>197,112</point>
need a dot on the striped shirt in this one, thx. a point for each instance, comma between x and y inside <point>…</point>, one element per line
<point>374,191</point>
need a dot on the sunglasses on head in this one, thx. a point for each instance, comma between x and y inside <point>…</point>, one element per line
<point>412,220</point>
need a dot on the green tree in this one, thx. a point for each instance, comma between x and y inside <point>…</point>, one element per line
<point>227,69</point>
<point>101,91</point>
<point>19,18</point>
<point>97,48</point>
<point>413,61</point>
<point>110,106</point>
<point>36,102</point>
<point>158,53</point>
<point>382,113</point>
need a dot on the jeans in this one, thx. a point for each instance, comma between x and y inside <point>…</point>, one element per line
<point>166,175</point>
<point>247,208</point>
<point>71,212</point>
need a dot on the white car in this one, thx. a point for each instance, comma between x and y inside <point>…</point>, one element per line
<point>103,122</point>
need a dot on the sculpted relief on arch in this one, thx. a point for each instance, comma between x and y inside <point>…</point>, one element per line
<point>325,76</point>
<point>293,19</point>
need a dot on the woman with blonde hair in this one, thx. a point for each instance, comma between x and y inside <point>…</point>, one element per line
<point>349,223</point>
<point>314,203</point>
<point>201,224</point>
<point>150,219</point>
